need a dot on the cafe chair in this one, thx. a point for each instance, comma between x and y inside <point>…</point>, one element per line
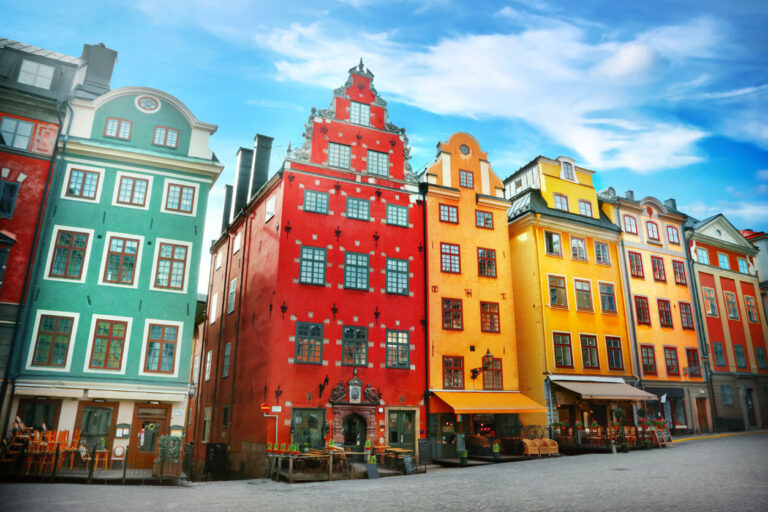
<point>118,454</point>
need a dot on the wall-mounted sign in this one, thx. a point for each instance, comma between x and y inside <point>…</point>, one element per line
<point>122,431</point>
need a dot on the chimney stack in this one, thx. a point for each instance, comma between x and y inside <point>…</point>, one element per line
<point>99,64</point>
<point>260,166</point>
<point>630,194</point>
<point>227,206</point>
<point>671,204</point>
<point>244,160</point>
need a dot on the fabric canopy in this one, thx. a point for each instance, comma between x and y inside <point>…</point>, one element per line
<point>489,402</point>
<point>606,390</point>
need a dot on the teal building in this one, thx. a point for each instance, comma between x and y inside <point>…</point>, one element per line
<point>107,340</point>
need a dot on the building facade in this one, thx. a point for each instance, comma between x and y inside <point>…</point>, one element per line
<point>726,286</point>
<point>316,304</point>
<point>107,333</point>
<point>760,240</point>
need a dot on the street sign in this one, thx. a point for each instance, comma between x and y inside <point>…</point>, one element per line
<point>265,408</point>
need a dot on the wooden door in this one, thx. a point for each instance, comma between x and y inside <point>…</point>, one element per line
<point>96,421</point>
<point>401,429</point>
<point>701,412</point>
<point>150,421</point>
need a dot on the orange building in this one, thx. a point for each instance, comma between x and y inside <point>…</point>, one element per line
<point>472,356</point>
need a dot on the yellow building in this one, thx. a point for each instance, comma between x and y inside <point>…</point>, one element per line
<point>472,359</point>
<point>662,319</point>
<point>572,339</point>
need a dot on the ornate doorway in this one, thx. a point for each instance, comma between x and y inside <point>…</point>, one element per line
<point>354,430</point>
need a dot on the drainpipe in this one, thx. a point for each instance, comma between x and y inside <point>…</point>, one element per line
<point>34,263</point>
<point>629,302</point>
<point>427,357</point>
<point>700,328</point>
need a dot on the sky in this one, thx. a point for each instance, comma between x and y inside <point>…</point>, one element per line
<point>666,98</point>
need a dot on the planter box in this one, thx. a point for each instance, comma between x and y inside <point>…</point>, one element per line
<point>166,469</point>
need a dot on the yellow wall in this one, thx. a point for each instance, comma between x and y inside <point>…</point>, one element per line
<point>551,183</point>
<point>445,173</point>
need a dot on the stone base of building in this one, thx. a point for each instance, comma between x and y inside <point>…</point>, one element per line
<point>741,401</point>
<point>686,406</point>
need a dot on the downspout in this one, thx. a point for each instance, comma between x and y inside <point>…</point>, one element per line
<point>27,274</point>
<point>628,301</point>
<point>700,327</point>
<point>427,356</point>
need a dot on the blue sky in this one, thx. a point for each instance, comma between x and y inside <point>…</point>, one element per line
<point>669,99</point>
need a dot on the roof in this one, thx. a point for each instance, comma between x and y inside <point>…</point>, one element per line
<point>753,235</point>
<point>531,201</point>
<point>35,50</point>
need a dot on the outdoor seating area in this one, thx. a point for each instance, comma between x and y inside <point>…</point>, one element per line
<point>601,438</point>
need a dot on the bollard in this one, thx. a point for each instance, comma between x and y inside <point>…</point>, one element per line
<point>613,447</point>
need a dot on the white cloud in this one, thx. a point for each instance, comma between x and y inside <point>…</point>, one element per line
<point>741,213</point>
<point>762,174</point>
<point>630,59</point>
<point>736,92</point>
<point>762,188</point>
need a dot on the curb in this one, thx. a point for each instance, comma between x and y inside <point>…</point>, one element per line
<point>715,436</point>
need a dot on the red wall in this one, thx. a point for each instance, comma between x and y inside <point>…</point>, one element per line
<point>714,325</point>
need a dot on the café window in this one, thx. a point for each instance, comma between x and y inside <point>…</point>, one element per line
<point>308,427</point>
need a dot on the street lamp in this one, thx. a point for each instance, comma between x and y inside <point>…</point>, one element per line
<point>487,365</point>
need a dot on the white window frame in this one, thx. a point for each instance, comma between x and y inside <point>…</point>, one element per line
<point>608,247</point>
<point>196,370</point>
<point>587,205</point>
<point>226,360</point>
<point>208,360</point>
<point>116,194</point>
<point>80,167</point>
<point>176,355</point>
<point>126,346</point>
<point>218,259</point>
<point>269,210</point>
<point>36,72</point>
<point>52,249</point>
<point>166,186</point>
<point>33,341</point>
<point>107,238</point>
<point>156,261</point>
<point>563,173</point>
<point>746,265</point>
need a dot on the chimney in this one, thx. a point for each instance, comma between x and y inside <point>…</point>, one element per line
<point>671,204</point>
<point>630,194</point>
<point>244,158</point>
<point>99,63</point>
<point>260,167</point>
<point>227,206</point>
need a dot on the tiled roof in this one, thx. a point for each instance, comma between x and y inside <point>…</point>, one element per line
<point>34,50</point>
<point>531,201</point>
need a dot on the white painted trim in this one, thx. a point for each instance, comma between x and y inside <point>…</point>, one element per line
<point>587,378</point>
<point>92,332</point>
<point>52,247</point>
<point>72,340</point>
<point>116,193</point>
<point>107,239</point>
<point>129,168</point>
<point>99,187</point>
<point>156,261</point>
<point>446,161</point>
<point>485,178</point>
<point>576,297</point>
<point>176,355</point>
<point>166,185</point>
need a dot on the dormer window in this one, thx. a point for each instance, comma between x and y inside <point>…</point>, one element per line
<point>36,74</point>
<point>360,113</point>
<point>167,137</point>
<point>566,171</point>
<point>118,128</point>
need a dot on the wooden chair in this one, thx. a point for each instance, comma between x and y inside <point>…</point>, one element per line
<point>548,447</point>
<point>48,456</point>
<point>102,459</point>
<point>118,454</point>
<point>630,434</point>
<point>530,447</point>
<point>85,455</point>
<point>34,455</point>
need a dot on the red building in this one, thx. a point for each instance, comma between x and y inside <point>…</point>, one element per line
<point>316,301</point>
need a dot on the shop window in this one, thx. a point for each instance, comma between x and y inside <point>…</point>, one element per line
<point>649,359</point>
<point>354,346</point>
<point>449,258</point>
<point>602,256</point>
<point>557,292</point>
<point>358,208</point>
<point>486,262</point>
<point>356,271</point>
<point>560,202</point>
<point>589,355</point>
<point>636,265</point>
<point>665,313</point>
<point>578,249</point>
<point>679,270</point>
<point>449,214</point>
<point>36,413</point>
<point>492,378</point>
<point>483,219</point>
<point>121,260</point>
<point>397,276</point>
<point>673,235</point>
<point>694,365</point>
<point>563,353</point>
<point>630,224</point>
<point>452,316</point>
<point>607,298</point>
<point>730,305</point>
<point>453,372</point>
<point>727,394</point>
<point>710,302</point>
<point>226,359</point>
<point>466,179</point>
<point>377,163</point>
<point>741,358</point>
<point>108,343</point>
<point>642,312</point>
<point>316,202</point>
<point>52,341</point>
<point>583,295</point>
<point>670,358</point>
<point>686,315</point>
<point>397,215</point>
<point>69,254</point>
<point>359,113</point>
<point>615,360</point>
<point>489,317</point>
<point>719,352</point>
<point>658,269</point>
<point>339,155</point>
<point>309,343</point>
<point>553,244</point>
<point>398,349</point>
<point>308,427</point>
<point>312,265</point>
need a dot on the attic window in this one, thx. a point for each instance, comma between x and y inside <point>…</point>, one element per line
<point>567,171</point>
<point>165,137</point>
<point>147,104</point>
<point>360,113</point>
<point>36,74</point>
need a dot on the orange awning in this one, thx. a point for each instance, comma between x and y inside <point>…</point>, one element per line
<point>488,402</point>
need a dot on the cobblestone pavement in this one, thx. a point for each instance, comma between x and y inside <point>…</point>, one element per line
<point>728,473</point>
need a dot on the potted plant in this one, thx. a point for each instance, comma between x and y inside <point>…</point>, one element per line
<point>579,425</point>
<point>463,455</point>
<point>168,461</point>
<point>496,450</point>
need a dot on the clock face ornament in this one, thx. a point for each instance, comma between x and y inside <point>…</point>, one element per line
<point>464,149</point>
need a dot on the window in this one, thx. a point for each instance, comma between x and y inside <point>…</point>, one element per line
<point>561,202</point>
<point>16,133</point>
<point>208,359</point>
<point>354,346</point>
<point>694,366</point>
<point>378,163</point>
<point>132,191</point>
<point>309,343</point>
<point>489,317</point>
<point>36,74</point>
<point>583,295</point>
<point>214,307</point>
<point>665,313</point>
<point>686,316</point>
<point>453,372</point>
<point>180,198</point>
<point>315,201</point>
<point>710,302</point>
<point>161,349</point>
<point>397,276</point>
<point>553,244</point>
<point>236,243</point>
<point>557,292</point>
<point>397,215</point>
<point>356,270</point>
<point>730,305</point>
<point>466,179</point>
<point>207,424</point>
<point>649,359</point>
<point>231,295</point>
<point>52,344</point>
<point>312,265</point>
<point>670,358</point>
<point>118,128</point>
<point>722,261</point>
<point>338,155</point>
<point>727,393</point>
<point>578,249</point>
<point>636,264</point>
<point>760,355</point>
<point>615,360</point>
<point>642,312</point>
<point>452,314</point>
<point>653,231</point>
<point>607,298</point>
<point>308,427</point>
<point>492,373</point>
<point>121,260</point>
<point>702,255</point>
<point>658,269</point>
<point>449,214</point>
<point>602,256</point>
<point>358,208</point>
<point>751,309</point>
<point>743,268</point>
<point>225,417</point>
<point>589,354</point>
<point>171,266</point>
<point>9,191</point>
<point>741,360</point>
<point>82,184</point>
<point>585,208</point>
<point>630,224</point>
<point>167,137</point>
<point>108,342</point>
<point>567,171</point>
<point>486,262</point>
<point>679,269</point>
<point>483,219</point>
<point>449,258</point>
<point>398,349</point>
<point>359,113</point>
<point>717,350</point>
<point>673,236</point>
<point>196,370</point>
<point>69,254</point>
<point>563,355</point>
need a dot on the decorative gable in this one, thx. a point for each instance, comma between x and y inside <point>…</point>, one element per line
<point>719,228</point>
